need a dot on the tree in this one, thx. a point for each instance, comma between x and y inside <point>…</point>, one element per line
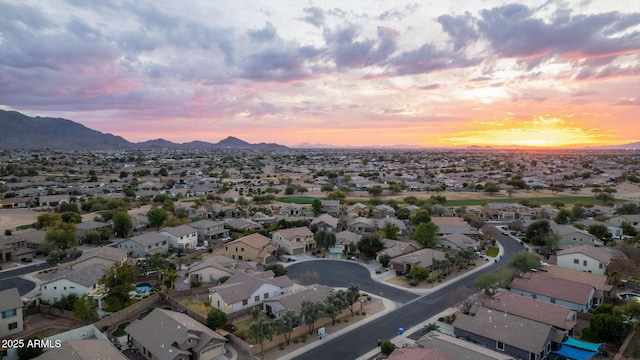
<point>62,235</point>
<point>45,220</point>
<point>477,223</point>
<point>157,216</point>
<point>336,302</point>
<point>493,281</point>
<point>608,327</point>
<point>524,261</point>
<point>564,216</point>
<point>122,223</point>
<point>384,260</point>
<point>352,295</point>
<point>370,244</point>
<point>312,311</point>
<point>336,195</point>
<point>327,188</point>
<point>260,328</point>
<point>421,216</point>
<point>376,190</point>
<point>426,234</point>
<point>316,207</point>
<point>600,231</point>
<point>491,188</point>
<point>557,204</point>
<point>536,232</point>
<point>66,302</point>
<point>86,309</point>
<point>419,273</point>
<point>325,239</point>
<point>628,209</point>
<point>71,217</point>
<point>390,230</point>
<point>216,318</point>
<point>286,323</point>
<point>395,188</point>
<point>387,348</point>
<point>278,269</point>
<point>578,211</point>
<point>119,280</point>
<point>290,190</point>
<point>67,207</point>
<point>403,214</point>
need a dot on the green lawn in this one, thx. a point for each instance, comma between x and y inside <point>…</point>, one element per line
<point>492,251</point>
<point>539,201</point>
<point>302,200</point>
<point>120,330</point>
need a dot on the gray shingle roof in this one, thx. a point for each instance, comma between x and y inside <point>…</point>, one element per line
<point>10,299</point>
<point>83,350</point>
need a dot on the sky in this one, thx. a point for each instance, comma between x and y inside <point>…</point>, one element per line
<point>346,73</point>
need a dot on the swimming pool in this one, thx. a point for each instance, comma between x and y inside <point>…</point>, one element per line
<point>143,288</point>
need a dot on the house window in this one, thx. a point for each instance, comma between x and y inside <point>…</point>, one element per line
<point>200,277</point>
<point>13,325</point>
<point>552,300</point>
<point>265,296</point>
<point>9,313</point>
<point>239,257</point>
<point>210,277</point>
<point>535,296</point>
<point>500,345</point>
<point>584,263</point>
<point>245,301</point>
<point>576,261</point>
<point>256,298</point>
<point>241,249</point>
<point>601,266</point>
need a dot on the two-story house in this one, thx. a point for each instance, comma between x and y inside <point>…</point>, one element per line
<point>11,311</point>
<point>571,294</point>
<point>243,291</point>
<point>210,230</point>
<point>105,255</point>
<point>85,280</point>
<point>325,222</point>
<point>181,237</point>
<point>585,258</point>
<point>145,244</point>
<point>254,247</point>
<point>571,236</point>
<point>295,240</point>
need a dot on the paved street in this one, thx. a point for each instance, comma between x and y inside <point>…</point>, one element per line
<point>361,340</point>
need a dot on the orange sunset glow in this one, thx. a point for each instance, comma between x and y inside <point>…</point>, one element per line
<point>544,74</point>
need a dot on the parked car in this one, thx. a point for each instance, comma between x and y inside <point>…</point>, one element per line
<point>26,260</point>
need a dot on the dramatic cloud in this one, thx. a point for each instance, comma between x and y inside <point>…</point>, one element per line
<point>332,72</point>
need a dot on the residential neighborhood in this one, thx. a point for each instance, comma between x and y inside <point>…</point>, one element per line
<point>205,241</point>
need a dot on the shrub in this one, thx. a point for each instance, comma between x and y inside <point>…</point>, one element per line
<point>387,348</point>
<point>413,282</point>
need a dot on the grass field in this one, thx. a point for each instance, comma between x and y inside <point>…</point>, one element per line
<point>542,200</point>
<point>120,330</point>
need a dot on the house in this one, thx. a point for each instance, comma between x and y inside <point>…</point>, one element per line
<point>357,210</point>
<point>347,237</point>
<point>291,210</point>
<point>210,230</point>
<point>563,292</point>
<point>325,222</point>
<point>617,220</point>
<point>454,225</point>
<point>295,240</point>
<point>188,339</point>
<point>105,255</point>
<point>181,237</point>
<point>33,238</point>
<point>571,236</point>
<point>585,258</point>
<point>243,291</point>
<point>11,310</point>
<point>14,202</point>
<point>293,299</point>
<point>83,349</point>
<point>514,335</point>
<point>560,317</point>
<point>145,244</point>
<point>54,200</point>
<point>214,268</point>
<point>254,247</point>
<point>13,248</point>
<point>599,282</point>
<point>382,211</point>
<point>331,207</point>
<point>243,224</point>
<point>455,348</point>
<point>402,228</point>
<point>395,248</point>
<point>423,258</point>
<point>86,227</point>
<point>362,226</point>
<point>85,280</point>
<point>458,241</point>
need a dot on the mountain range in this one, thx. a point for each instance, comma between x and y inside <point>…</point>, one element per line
<point>20,131</point>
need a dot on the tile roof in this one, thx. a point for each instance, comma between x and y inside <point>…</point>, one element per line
<point>180,230</point>
<point>458,348</point>
<point>291,233</point>
<point>82,350</point>
<point>255,240</point>
<point>103,252</point>
<point>510,329</point>
<point>149,238</point>
<point>86,276</point>
<point>567,290</point>
<point>10,299</point>
<point>417,354</point>
<point>327,219</point>
<point>422,257</point>
<point>598,253</point>
<point>293,300</point>
<point>162,330</point>
<point>541,311</point>
<point>598,281</point>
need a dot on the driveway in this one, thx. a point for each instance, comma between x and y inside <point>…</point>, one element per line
<point>337,273</point>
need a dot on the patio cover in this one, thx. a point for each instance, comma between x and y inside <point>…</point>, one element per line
<point>582,344</point>
<point>575,353</point>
